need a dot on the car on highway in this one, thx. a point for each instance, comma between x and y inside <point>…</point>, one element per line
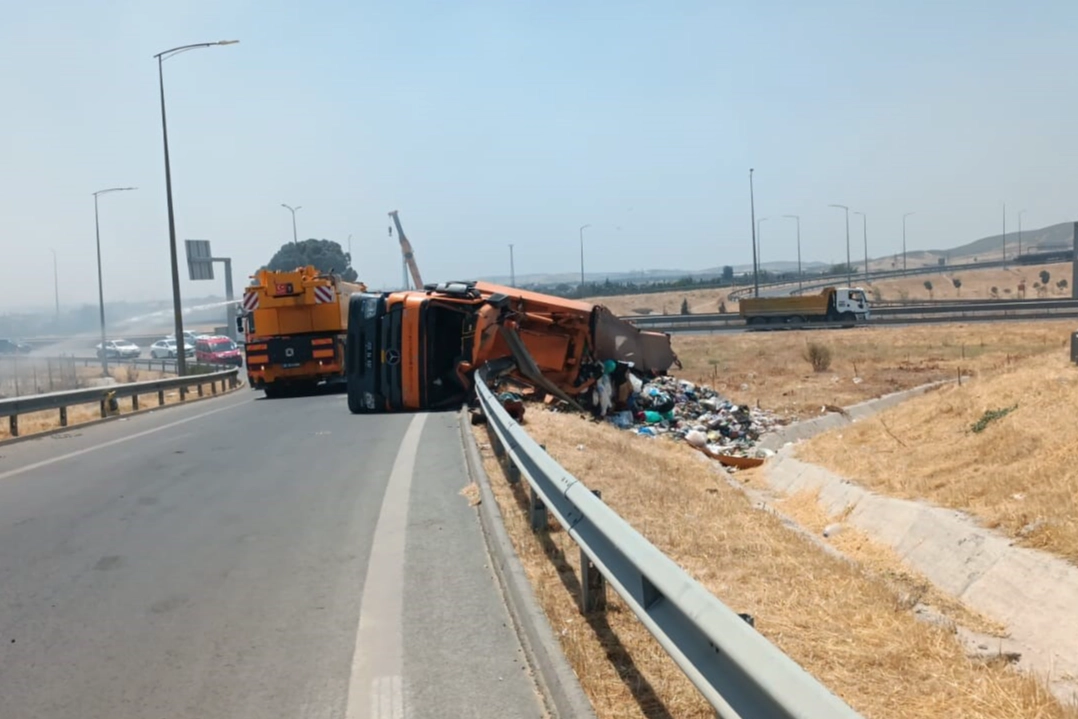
<point>10,347</point>
<point>188,335</point>
<point>119,349</point>
<point>218,350</point>
<point>166,349</point>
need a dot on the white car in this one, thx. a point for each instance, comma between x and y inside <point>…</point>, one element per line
<point>166,349</point>
<point>119,349</point>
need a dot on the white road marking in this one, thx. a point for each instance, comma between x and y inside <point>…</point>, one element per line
<point>375,684</point>
<point>111,442</point>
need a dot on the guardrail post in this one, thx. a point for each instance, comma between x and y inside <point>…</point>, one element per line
<point>592,582</point>
<point>213,387</point>
<point>13,425</point>
<point>160,398</point>
<point>63,416</point>
<point>183,393</point>
<point>200,390</point>
<point>104,410</point>
<point>536,511</point>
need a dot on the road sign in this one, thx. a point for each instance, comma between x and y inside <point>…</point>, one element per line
<point>199,260</point>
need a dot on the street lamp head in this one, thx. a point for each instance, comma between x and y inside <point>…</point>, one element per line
<point>227,42</point>
<point>793,217</point>
<point>841,207</point>
<point>113,189</point>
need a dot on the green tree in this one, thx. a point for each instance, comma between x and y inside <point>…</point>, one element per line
<point>727,273</point>
<point>324,255</point>
<point>1045,276</point>
<point>928,286</point>
<point>957,285</point>
<point>685,307</point>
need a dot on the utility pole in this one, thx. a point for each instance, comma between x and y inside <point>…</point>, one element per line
<point>100,289</point>
<point>512,269</point>
<point>864,219</point>
<point>293,210</point>
<point>798,218</point>
<point>1020,234</point>
<point>755,259</point>
<point>1004,235</point>
<point>849,269</point>
<point>904,239</point>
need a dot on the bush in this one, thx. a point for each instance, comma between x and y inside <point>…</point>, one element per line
<point>685,307</point>
<point>818,355</point>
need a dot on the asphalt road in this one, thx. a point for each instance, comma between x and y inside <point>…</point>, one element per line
<point>244,557</point>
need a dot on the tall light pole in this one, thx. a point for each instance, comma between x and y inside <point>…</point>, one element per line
<point>582,228</point>
<point>1004,235</point>
<point>798,218</point>
<point>177,307</point>
<point>755,259</point>
<point>100,289</point>
<point>904,239</point>
<point>849,269</point>
<point>293,210</point>
<point>512,269</point>
<point>56,284</point>
<point>864,224</point>
<point>1020,234</point>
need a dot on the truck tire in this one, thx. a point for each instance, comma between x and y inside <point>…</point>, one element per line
<point>273,391</point>
<point>355,402</point>
<point>849,319</point>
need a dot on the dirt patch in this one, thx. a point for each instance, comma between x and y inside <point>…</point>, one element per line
<point>769,368</point>
<point>959,447</point>
<point>846,626</point>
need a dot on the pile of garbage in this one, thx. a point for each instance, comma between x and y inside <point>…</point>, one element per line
<point>679,409</point>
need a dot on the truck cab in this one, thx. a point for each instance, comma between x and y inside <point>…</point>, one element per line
<point>851,301</point>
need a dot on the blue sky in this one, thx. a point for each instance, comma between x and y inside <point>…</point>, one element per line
<point>486,123</point>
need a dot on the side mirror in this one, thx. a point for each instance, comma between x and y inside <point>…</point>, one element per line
<point>239,325</point>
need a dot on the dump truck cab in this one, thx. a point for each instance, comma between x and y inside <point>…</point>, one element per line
<point>849,300</point>
<point>418,349</point>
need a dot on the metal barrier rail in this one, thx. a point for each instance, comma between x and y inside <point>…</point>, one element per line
<point>736,669</point>
<point>888,310</point>
<point>12,408</point>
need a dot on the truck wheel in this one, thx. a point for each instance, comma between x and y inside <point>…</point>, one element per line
<point>273,391</point>
<point>848,319</point>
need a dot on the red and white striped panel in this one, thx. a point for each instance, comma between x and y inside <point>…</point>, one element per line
<point>323,295</point>
<point>250,301</point>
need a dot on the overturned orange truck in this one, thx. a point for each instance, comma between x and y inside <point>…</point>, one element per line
<point>419,349</point>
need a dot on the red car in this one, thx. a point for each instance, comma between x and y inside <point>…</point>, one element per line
<point>218,350</point>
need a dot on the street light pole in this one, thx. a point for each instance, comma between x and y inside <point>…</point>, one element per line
<point>512,269</point>
<point>849,270</point>
<point>177,308</point>
<point>904,239</point>
<point>56,284</point>
<point>798,218</point>
<point>1020,234</point>
<point>864,219</point>
<point>100,288</point>
<point>1004,235</point>
<point>293,210</point>
<point>755,262</point>
<point>582,228</point>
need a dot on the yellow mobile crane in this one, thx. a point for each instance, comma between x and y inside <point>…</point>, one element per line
<point>406,250</point>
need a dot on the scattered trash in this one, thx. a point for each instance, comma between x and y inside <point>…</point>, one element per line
<point>831,530</point>
<point>580,448</point>
<point>513,404</point>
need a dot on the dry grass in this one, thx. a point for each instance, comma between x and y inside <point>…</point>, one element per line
<point>975,285</point>
<point>1019,475</point>
<point>768,367</point>
<point>667,303</point>
<point>848,628</point>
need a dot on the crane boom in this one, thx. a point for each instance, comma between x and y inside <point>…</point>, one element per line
<point>406,250</point>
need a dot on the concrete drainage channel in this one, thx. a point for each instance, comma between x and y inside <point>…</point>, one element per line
<point>1030,592</point>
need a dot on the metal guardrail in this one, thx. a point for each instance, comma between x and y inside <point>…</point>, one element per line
<point>12,408</point>
<point>738,671</point>
<point>977,311</point>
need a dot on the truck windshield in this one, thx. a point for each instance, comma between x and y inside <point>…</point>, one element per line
<point>445,327</point>
<point>223,346</point>
<point>857,296</point>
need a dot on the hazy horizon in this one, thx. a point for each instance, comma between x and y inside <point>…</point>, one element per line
<point>485,124</point>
